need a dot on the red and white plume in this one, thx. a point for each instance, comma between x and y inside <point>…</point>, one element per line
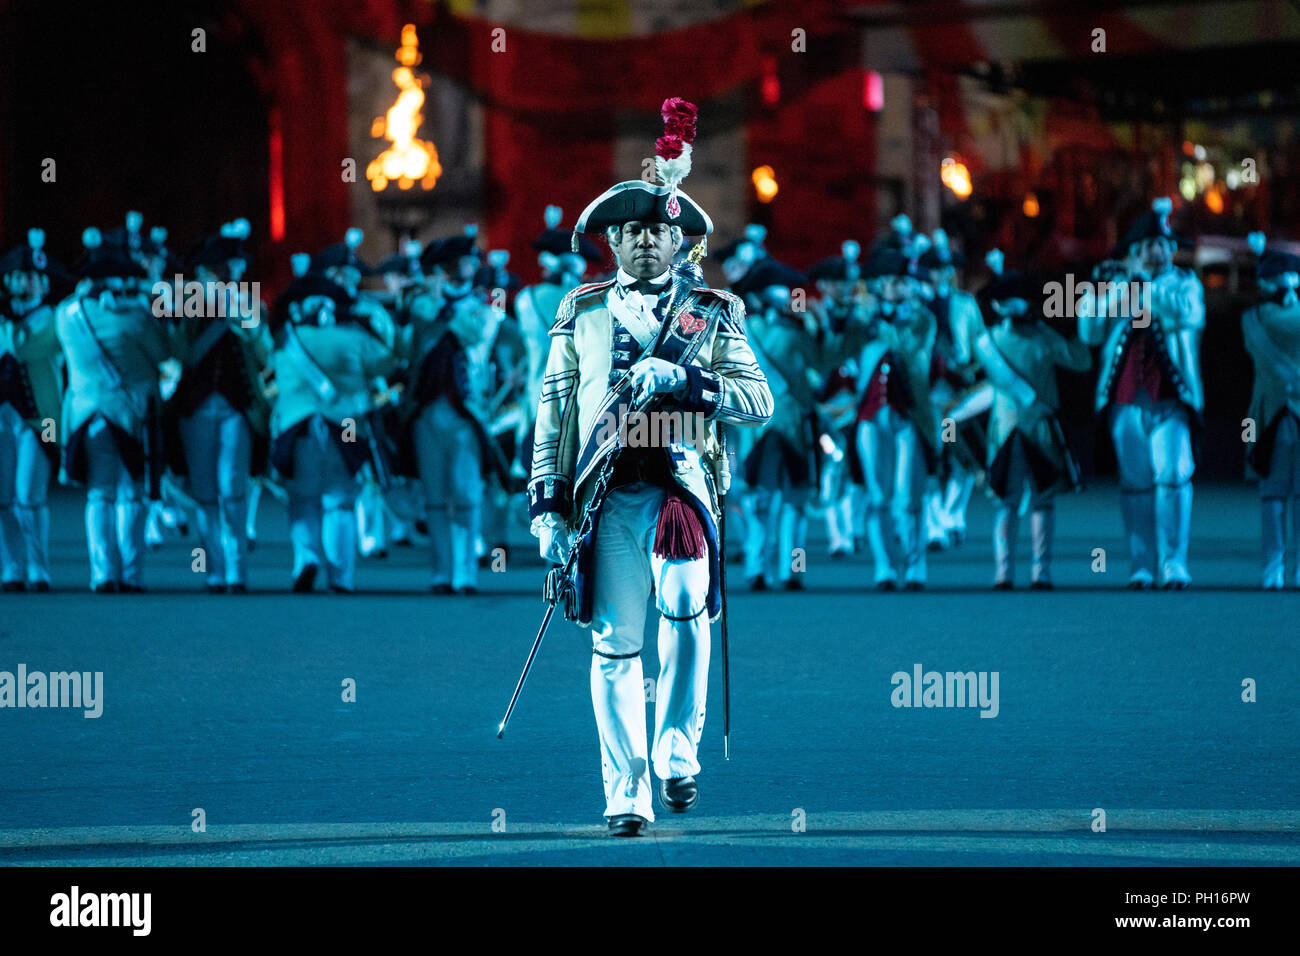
<point>673,149</point>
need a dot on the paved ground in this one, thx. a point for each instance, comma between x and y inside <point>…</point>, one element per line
<point>1128,703</point>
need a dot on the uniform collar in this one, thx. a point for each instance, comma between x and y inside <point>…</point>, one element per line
<point>627,280</point>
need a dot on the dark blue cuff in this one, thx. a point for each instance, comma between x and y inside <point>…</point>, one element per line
<point>703,392</point>
<point>549,493</point>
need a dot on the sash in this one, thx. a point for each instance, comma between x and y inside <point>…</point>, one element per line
<point>321,383</point>
<point>208,338</point>
<point>672,346</point>
<point>81,322</point>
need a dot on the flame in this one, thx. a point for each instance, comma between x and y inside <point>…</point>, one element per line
<point>956,177</point>
<point>410,159</point>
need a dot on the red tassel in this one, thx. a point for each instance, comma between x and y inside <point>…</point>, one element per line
<point>679,534</point>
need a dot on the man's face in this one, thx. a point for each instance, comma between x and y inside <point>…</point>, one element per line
<point>1154,256</point>
<point>645,249</point>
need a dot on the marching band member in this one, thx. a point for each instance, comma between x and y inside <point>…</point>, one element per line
<point>1150,389</point>
<point>1029,460</point>
<point>1272,333</point>
<point>537,306</point>
<point>31,393</point>
<point>780,469</point>
<point>648,332</point>
<point>897,433</point>
<point>453,328</point>
<point>323,364</point>
<point>113,346</point>
<point>838,279</point>
<point>958,324</point>
<point>221,411</point>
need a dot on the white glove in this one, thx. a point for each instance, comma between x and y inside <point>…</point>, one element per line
<point>552,537</point>
<point>652,376</point>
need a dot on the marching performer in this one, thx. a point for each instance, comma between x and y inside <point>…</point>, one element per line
<point>779,469</point>
<point>897,433</point>
<point>31,393</point>
<point>323,363</point>
<point>113,346</point>
<point>1149,327</point>
<point>342,264</point>
<point>841,302</point>
<point>1029,460</point>
<point>1272,333</point>
<point>221,411</point>
<point>537,306</point>
<point>649,332</point>
<point>958,324</point>
<point>453,328</point>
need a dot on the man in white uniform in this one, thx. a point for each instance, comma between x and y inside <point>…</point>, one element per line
<point>650,332</point>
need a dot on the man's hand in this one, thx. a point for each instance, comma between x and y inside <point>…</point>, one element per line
<point>552,537</point>
<point>654,376</point>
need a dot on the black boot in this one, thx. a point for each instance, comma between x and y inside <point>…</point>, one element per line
<point>627,825</point>
<point>679,794</point>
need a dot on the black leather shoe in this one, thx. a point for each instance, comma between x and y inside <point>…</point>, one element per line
<point>105,587</point>
<point>679,794</point>
<point>888,584</point>
<point>467,591</point>
<point>627,825</point>
<point>130,589</point>
<point>793,584</point>
<point>1176,585</point>
<point>1041,586</point>
<point>216,589</point>
<point>1003,586</point>
<point>758,583</point>
<point>40,587</point>
<point>1139,584</point>
<point>442,589</point>
<point>914,586</point>
<point>12,587</point>
<point>306,578</point>
<point>236,589</point>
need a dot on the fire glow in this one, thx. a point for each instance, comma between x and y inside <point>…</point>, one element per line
<point>410,159</point>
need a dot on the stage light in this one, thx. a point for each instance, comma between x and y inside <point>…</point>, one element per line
<point>1030,206</point>
<point>873,91</point>
<point>956,177</point>
<point>764,179</point>
<point>771,84</point>
<point>409,160</point>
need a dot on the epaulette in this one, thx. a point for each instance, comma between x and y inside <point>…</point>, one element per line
<point>568,310</point>
<point>732,321</point>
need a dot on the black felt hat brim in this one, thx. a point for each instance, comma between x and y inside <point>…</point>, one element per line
<point>639,201</point>
<point>768,272</point>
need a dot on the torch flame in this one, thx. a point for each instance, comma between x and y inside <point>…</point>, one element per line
<point>410,159</point>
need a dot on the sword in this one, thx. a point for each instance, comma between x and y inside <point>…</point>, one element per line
<point>559,580</point>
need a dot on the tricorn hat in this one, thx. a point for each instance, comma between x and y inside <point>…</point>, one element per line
<point>343,254</point>
<point>1151,224</point>
<point>103,260</point>
<point>768,272</point>
<point>32,257</point>
<point>638,201</point>
<point>557,241</point>
<point>442,251</point>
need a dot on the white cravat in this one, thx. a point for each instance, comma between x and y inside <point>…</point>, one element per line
<point>635,310</point>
